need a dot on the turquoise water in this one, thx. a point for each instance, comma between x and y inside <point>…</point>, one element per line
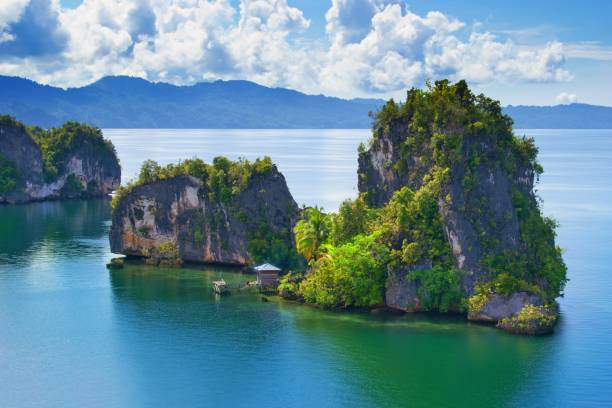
<point>73,334</point>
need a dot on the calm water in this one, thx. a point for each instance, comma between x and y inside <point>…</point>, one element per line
<point>74,335</point>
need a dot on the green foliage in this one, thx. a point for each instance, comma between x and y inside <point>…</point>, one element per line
<point>143,230</point>
<point>414,219</point>
<point>167,250</point>
<point>531,320</point>
<point>479,300</point>
<point>57,144</point>
<point>353,218</point>
<point>439,289</point>
<point>198,235</point>
<point>341,246</point>
<point>311,232</point>
<point>225,178</point>
<point>452,131</point>
<point>9,121</point>
<point>265,245</point>
<point>444,119</point>
<point>350,275</point>
<point>506,284</point>
<point>72,185</point>
<point>361,149</point>
<point>289,285</point>
<point>8,174</point>
<point>542,259</point>
<point>536,267</point>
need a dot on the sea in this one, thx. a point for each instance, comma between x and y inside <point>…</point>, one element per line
<point>74,334</point>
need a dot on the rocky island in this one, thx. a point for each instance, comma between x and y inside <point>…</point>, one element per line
<point>73,161</point>
<point>227,212</point>
<point>446,220</point>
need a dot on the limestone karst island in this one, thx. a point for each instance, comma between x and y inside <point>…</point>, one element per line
<point>305,204</point>
<point>446,219</point>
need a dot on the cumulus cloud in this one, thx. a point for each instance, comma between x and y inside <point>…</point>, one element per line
<point>566,98</point>
<point>392,55</point>
<point>348,21</point>
<point>260,45</point>
<point>31,29</point>
<point>374,46</point>
<point>10,12</point>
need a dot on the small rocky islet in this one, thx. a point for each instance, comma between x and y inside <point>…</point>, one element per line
<point>72,161</point>
<point>446,219</point>
<point>227,212</point>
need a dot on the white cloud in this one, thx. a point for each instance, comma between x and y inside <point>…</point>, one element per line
<point>259,42</point>
<point>348,21</point>
<point>31,29</point>
<point>566,98</point>
<point>11,11</point>
<point>589,50</point>
<point>375,46</point>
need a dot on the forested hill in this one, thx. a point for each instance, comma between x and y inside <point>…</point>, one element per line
<point>573,116</point>
<point>126,102</point>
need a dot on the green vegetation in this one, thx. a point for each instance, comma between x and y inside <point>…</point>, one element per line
<point>439,289</point>
<point>9,121</point>
<point>531,320</point>
<point>311,232</point>
<point>342,246</point>
<point>56,145</point>
<point>477,302</point>
<point>349,275</point>
<point>72,185</point>
<point>449,134</point>
<point>225,178</point>
<point>265,245</point>
<point>289,285</point>
<point>8,175</point>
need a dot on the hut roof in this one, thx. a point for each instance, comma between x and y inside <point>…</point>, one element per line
<point>266,267</point>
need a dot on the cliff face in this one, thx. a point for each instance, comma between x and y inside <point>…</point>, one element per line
<point>482,178</point>
<point>18,148</point>
<point>182,217</point>
<point>87,171</point>
<point>379,177</point>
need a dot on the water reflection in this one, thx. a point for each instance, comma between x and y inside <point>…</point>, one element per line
<point>52,229</point>
<point>235,349</point>
<point>423,360</point>
<point>375,360</point>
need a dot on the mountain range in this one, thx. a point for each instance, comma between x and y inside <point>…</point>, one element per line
<point>127,102</point>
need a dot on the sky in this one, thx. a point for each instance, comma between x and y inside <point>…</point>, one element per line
<point>520,52</point>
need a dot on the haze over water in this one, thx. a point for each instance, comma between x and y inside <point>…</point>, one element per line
<point>73,334</point>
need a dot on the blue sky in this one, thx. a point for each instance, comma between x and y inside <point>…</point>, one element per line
<point>521,52</point>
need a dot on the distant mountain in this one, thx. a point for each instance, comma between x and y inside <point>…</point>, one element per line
<point>126,102</point>
<point>573,116</point>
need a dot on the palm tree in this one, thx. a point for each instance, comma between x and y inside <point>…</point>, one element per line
<point>311,233</point>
